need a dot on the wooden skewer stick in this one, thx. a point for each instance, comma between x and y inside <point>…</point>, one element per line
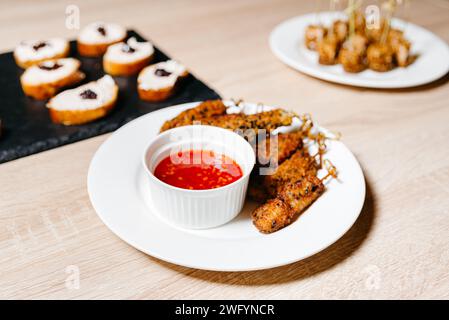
<point>331,170</point>
<point>321,141</point>
<point>389,7</point>
<point>353,6</point>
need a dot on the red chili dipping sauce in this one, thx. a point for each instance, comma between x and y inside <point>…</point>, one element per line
<point>198,170</point>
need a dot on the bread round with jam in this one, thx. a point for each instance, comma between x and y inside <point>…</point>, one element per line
<point>160,81</point>
<point>29,53</point>
<point>127,58</point>
<point>45,79</point>
<point>85,103</point>
<point>95,38</point>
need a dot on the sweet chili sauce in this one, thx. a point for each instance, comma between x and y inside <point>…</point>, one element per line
<point>198,170</point>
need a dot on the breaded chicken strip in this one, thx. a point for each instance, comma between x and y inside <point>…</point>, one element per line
<point>297,166</point>
<point>204,110</point>
<point>303,193</point>
<point>268,120</point>
<point>285,145</point>
<point>272,216</point>
<point>293,199</point>
<point>280,148</point>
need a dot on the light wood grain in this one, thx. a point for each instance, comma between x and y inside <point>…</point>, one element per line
<point>398,248</point>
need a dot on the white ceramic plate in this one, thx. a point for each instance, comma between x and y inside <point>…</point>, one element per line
<point>287,43</point>
<point>118,191</point>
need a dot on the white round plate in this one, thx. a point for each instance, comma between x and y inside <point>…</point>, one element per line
<point>287,43</point>
<point>119,192</point>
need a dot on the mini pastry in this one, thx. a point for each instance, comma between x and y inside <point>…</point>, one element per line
<point>328,50</point>
<point>96,37</point>
<point>314,34</point>
<point>380,57</point>
<point>44,80</point>
<point>84,104</point>
<point>124,59</point>
<point>160,81</point>
<point>28,53</point>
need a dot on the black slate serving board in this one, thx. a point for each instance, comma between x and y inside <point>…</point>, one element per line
<point>27,128</point>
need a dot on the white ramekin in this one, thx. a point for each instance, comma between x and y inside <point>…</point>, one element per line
<point>198,209</point>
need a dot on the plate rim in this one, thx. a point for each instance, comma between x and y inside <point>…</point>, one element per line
<point>179,262</point>
<point>329,77</point>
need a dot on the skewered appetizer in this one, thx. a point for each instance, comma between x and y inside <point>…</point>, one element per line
<point>127,58</point>
<point>340,28</point>
<point>160,81</point>
<point>352,54</point>
<point>96,37</point>
<point>380,57</point>
<point>359,44</point>
<point>328,50</point>
<point>211,113</point>
<point>86,103</point>
<point>296,166</point>
<point>400,47</point>
<point>314,34</point>
<point>293,185</point>
<point>29,53</point>
<point>44,80</point>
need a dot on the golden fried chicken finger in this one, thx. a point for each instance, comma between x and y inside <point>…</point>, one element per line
<point>281,148</point>
<point>294,198</point>
<point>272,216</point>
<point>303,193</point>
<point>294,168</point>
<point>297,166</point>
<point>204,110</point>
<point>340,28</point>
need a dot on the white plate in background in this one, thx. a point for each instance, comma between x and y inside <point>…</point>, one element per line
<point>287,43</point>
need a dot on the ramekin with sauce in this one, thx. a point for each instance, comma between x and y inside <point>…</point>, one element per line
<point>198,175</point>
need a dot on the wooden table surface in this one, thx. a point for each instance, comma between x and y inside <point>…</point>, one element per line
<point>398,248</point>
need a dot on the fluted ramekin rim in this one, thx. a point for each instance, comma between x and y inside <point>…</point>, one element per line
<point>251,161</point>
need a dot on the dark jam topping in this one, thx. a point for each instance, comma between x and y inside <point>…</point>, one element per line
<point>162,73</point>
<point>88,94</point>
<point>39,45</point>
<point>128,49</point>
<point>101,30</point>
<point>50,67</point>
